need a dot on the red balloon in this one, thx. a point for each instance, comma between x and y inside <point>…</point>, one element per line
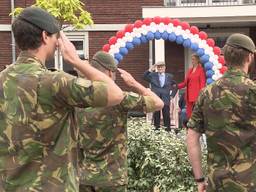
<point>138,23</point>
<point>128,28</point>
<point>120,34</point>
<point>221,60</point>
<point>157,19</point>
<point>112,40</point>
<point>185,25</point>
<point>167,20</point>
<point>210,42</point>
<point>216,50</point>
<point>147,21</point>
<point>223,69</point>
<point>176,22</point>
<point>203,35</point>
<point>194,30</point>
<point>106,47</point>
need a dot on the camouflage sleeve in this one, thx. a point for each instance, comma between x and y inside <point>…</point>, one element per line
<point>79,92</point>
<point>135,102</point>
<point>196,122</point>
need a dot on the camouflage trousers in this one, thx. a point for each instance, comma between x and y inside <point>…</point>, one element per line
<point>88,188</point>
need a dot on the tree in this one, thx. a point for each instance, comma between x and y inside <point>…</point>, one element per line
<point>66,11</point>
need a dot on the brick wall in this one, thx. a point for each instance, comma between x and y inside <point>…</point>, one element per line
<point>113,11</point>
<point>5,49</point>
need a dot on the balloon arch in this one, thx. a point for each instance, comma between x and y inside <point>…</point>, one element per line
<point>175,31</point>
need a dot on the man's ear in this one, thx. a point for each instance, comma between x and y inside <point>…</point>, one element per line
<point>44,37</point>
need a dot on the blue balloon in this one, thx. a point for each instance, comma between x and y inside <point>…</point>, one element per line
<point>209,73</point>
<point>118,57</point>
<point>116,61</point>
<point>209,81</point>
<point>129,45</point>
<point>208,65</point>
<point>136,41</point>
<point>157,35</point>
<point>143,39</point>
<point>150,35</point>
<point>172,37</point>
<point>179,39</point>
<point>187,43</point>
<point>123,50</point>
<point>194,47</point>
<point>200,52</point>
<point>165,35</point>
<point>205,58</point>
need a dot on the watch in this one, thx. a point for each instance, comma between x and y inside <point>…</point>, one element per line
<point>200,180</point>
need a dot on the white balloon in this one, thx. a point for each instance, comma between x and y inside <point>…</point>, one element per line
<point>179,27</point>
<point>153,29</point>
<point>144,26</point>
<point>161,24</point>
<point>112,46</point>
<point>116,49</point>
<point>135,29</point>
<point>211,59</point>
<point>117,45</point>
<point>144,32</point>
<point>129,39</point>
<point>161,29</point>
<point>133,34</point>
<point>169,30</point>
<point>219,65</point>
<point>111,51</point>
<point>170,25</point>
<point>152,24</point>
<point>196,36</point>
<point>138,34</point>
<point>214,77</point>
<point>214,68</point>
<point>122,44</point>
<point>127,34</point>
<point>185,36</point>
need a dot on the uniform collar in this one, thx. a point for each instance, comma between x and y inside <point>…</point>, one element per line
<point>26,57</point>
<point>235,72</point>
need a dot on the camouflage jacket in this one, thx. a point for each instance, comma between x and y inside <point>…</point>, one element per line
<point>226,112</point>
<point>103,141</point>
<point>38,128</point>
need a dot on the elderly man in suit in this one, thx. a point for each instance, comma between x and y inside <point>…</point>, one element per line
<point>165,87</point>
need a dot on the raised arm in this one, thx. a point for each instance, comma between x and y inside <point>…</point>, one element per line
<point>115,94</point>
<point>147,74</point>
<point>140,89</point>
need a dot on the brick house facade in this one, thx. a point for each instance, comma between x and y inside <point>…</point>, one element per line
<point>112,14</point>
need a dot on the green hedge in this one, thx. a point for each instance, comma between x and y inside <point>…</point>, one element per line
<point>157,160</point>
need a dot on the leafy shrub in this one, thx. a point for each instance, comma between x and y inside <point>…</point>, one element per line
<point>157,159</point>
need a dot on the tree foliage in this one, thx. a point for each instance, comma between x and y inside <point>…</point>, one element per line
<point>66,11</point>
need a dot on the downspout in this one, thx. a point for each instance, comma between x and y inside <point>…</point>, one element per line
<point>13,40</point>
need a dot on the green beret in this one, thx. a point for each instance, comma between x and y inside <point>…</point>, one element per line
<point>40,18</point>
<point>105,60</point>
<point>238,40</point>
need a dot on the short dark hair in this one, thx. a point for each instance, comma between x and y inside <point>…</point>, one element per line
<point>234,56</point>
<point>27,36</point>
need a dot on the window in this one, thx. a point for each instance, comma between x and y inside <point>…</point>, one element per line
<point>80,41</point>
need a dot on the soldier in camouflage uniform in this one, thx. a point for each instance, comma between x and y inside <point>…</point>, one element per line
<point>103,134</point>
<point>38,129</point>
<point>226,112</point>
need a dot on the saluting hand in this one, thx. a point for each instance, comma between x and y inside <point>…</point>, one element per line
<point>127,77</point>
<point>67,49</point>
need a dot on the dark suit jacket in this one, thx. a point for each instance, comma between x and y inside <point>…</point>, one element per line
<point>162,92</point>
